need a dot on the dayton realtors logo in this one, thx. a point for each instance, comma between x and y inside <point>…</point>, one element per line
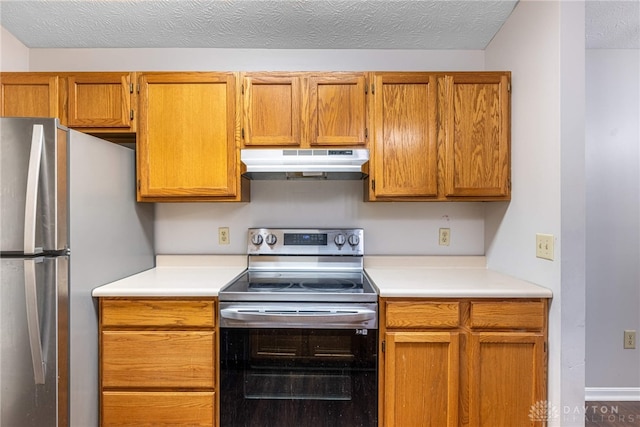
<point>544,410</point>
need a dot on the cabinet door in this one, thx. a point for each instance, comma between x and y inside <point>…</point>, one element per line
<point>186,141</point>
<point>506,378</point>
<point>101,100</point>
<point>421,372</point>
<point>272,109</point>
<point>337,106</point>
<point>404,155</point>
<point>30,95</point>
<point>476,120</point>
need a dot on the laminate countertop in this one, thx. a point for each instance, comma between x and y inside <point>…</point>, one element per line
<point>393,276</point>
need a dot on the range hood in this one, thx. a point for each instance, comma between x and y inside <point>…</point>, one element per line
<point>311,164</point>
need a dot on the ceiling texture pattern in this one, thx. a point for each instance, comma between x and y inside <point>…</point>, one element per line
<point>289,24</point>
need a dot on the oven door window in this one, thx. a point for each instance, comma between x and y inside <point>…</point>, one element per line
<point>298,377</point>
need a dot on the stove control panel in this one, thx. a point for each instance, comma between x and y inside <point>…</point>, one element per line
<point>306,241</point>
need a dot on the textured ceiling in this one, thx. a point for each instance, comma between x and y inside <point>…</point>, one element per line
<point>613,24</point>
<point>290,24</point>
<point>286,24</point>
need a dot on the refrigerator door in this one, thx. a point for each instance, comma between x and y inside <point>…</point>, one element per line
<point>32,186</point>
<point>31,308</point>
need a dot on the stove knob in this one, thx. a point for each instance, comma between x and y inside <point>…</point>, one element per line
<point>340,240</point>
<point>256,239</point>
<point>271,239</point>
<point>354,240</point>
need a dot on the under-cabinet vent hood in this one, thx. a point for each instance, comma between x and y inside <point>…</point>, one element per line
<point>312,164</point>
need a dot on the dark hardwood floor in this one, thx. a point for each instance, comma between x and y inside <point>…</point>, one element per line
<point>612,414</point>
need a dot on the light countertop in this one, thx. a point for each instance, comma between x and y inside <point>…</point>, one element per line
<point>178,276</point>
<point>394,276</point>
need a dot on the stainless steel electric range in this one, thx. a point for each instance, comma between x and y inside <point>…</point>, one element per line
<point>298,333</point>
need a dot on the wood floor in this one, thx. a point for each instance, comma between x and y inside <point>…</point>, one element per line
<point>612,414</point>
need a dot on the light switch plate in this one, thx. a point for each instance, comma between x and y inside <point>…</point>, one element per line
<point>544,246</point>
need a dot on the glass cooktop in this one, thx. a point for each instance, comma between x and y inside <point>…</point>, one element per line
<point>299,286</point>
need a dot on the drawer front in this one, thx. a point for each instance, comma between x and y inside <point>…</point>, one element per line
<point>507,315</point>
<point>157,359</point>
<point>422,314</point>
<point>157,313</point>
<point>161,409</point>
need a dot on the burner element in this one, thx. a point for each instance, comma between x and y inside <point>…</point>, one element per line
<point>332,285</point>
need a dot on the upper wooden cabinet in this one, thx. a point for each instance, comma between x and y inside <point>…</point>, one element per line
<point>475,114</point>
<point>404,150</point>
<point>31,95</point>
<point>336,109</point>
<point>272,113</point>
<point>304,109</point>
<point>187,137</point>
<point>101,102</point>
<point>440,136</point>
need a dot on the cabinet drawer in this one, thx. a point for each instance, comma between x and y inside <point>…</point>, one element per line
<point>157,312</point>
<point>422,314</point>
<point>159,409</point>
<point>158,359</point>
<point>507,314</point>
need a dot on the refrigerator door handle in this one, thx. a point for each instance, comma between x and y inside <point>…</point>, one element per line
<point>31,199</point>
<point>33,320</point>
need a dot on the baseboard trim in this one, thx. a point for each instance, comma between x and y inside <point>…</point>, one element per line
<point>612,394</point>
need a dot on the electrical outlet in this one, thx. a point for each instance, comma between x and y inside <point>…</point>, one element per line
<point>444,236</point>
<point>544,246</point>
<point>223,235</point>
<point>629,339</point>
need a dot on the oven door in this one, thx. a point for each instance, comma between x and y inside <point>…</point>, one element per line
<point>311,376</point>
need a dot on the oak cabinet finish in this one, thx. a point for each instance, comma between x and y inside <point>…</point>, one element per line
<point>31,95</point>
<point>157,362</point>
<point>163,409</point>
<point>101,102</point>
<point>475,115</point>
<point>404,156</point>
<point>420,371</point>
<point>187,137</point>
<point>435,136</point>
<point>337,109</point>
<point>272,109</point>
<point>440,137</point>
<point>462,362</point>
<point>98,103</point>
<point>303,110</point>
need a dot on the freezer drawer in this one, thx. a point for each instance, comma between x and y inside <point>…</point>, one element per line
<point>33,356</point>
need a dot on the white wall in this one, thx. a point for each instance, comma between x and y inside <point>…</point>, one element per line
<point>613,217</point>
<point>252,60</point>
<point>542,43</point>
<point>14,56</point>
<point>390,228</point>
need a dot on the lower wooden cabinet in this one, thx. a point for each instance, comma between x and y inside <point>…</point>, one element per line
<point>420,372</point>
<point>477,363</point>
<point>160,408</point>
<point>158,362</point>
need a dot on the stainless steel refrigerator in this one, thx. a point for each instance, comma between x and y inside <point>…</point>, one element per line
<point>70,223</point>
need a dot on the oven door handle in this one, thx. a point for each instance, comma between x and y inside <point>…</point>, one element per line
<point>277,315</point>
